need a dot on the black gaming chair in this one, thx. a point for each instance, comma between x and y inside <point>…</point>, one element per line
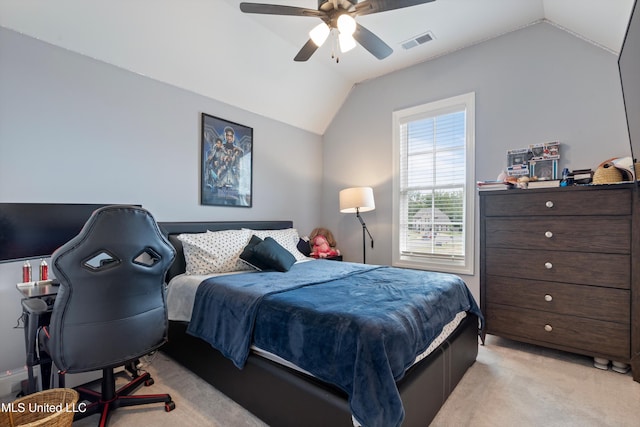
<point>110,308</point>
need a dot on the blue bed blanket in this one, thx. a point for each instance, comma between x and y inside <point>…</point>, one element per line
<point>356,326</point>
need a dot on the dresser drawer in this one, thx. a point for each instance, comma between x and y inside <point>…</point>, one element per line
<point>608,304</point>
<point>558,202</point>
<point>586,335</point>
<point>606,270</point>
<point>582,234</point>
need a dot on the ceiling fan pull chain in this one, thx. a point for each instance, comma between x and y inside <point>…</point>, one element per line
<point>334,45</point>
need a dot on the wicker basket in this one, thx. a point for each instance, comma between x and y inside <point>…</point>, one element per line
<point>50,408</point>
<point>607,173</point>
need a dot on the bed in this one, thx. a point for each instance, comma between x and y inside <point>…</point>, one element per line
<point>283,387</point>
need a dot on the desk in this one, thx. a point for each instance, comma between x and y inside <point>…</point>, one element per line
<point>41,289</point>
<point>34,315</point>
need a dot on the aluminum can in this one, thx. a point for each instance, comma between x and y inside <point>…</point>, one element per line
<point>44,270</point>
<point>26,272</point>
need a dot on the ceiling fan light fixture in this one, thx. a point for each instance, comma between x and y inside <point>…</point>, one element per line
<point>346,41</point>
<point>319,33</point>
<point>346,24</point>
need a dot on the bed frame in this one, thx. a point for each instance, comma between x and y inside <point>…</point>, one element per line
<point>282,396</point>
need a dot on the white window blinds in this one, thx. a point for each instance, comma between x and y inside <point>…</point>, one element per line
<point>431,195</point>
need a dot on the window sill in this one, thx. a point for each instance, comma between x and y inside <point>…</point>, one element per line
<point>443,267</point>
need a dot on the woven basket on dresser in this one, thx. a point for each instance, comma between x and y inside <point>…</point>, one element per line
<point>607,173</point>
<point>38,409</point>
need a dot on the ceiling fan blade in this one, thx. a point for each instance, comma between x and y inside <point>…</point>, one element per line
<point>276,9</point>
<point>374,6</point>
<point>371,42</point>
<point>307,50</point>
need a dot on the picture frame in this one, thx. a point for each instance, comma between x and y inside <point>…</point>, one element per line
<point>226,163</point>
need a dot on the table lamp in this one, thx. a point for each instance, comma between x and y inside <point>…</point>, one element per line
<point>356,200</point>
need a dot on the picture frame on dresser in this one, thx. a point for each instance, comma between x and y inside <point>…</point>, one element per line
<point>226,163</point>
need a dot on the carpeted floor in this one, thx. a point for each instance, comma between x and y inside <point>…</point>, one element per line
<point>515,384</point>
<point>511,384</point>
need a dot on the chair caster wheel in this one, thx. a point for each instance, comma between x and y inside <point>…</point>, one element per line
<point>149,382</point>
<point>169,406</point>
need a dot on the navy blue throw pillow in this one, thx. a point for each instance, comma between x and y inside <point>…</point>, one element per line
<point>249,257</point>
<point>270,254</point>
<point>304,247</point>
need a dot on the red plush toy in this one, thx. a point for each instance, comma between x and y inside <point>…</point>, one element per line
<point>323,244</point>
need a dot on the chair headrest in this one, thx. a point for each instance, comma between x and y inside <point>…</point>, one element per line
<point>115,233</point>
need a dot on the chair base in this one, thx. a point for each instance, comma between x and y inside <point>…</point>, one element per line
<point>110,398</point>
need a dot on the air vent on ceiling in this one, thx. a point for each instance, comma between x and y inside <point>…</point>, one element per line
<point>418,40</point>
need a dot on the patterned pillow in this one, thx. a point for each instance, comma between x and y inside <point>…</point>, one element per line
<point>287,238</point>
<point>214,251</point>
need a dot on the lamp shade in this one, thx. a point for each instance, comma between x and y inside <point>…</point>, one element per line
<point>357,199</point>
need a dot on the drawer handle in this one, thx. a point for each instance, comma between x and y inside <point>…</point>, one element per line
<point>548,265</point>
<point>548,234</point>
<point>548,328</point>
<point>549,204</point>
<point>548,298</point>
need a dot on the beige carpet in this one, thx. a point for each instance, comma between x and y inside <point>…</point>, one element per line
<point>511,384</point>
<point>515,384</point>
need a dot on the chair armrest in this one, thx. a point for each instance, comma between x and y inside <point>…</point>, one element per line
<point>34,306</point>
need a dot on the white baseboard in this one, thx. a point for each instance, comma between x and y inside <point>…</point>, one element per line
<point>10,381</point>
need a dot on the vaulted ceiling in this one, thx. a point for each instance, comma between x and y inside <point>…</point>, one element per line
<point>211,48</point>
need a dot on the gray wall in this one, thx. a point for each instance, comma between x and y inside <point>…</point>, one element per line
<point>76,130</point>
<point>535,85</point>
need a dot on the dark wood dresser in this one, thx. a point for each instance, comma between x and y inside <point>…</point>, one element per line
<point>557,269</point>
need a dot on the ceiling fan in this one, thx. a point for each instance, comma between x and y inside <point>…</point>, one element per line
<point>338,17</point>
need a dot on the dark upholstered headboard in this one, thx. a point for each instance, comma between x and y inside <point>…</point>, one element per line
<point>172,229</point>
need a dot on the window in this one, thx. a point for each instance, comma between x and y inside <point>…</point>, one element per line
<point>433,185</point>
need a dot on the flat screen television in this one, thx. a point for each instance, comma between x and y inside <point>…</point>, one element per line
<point>629,66</point>
<point>36,230</point>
